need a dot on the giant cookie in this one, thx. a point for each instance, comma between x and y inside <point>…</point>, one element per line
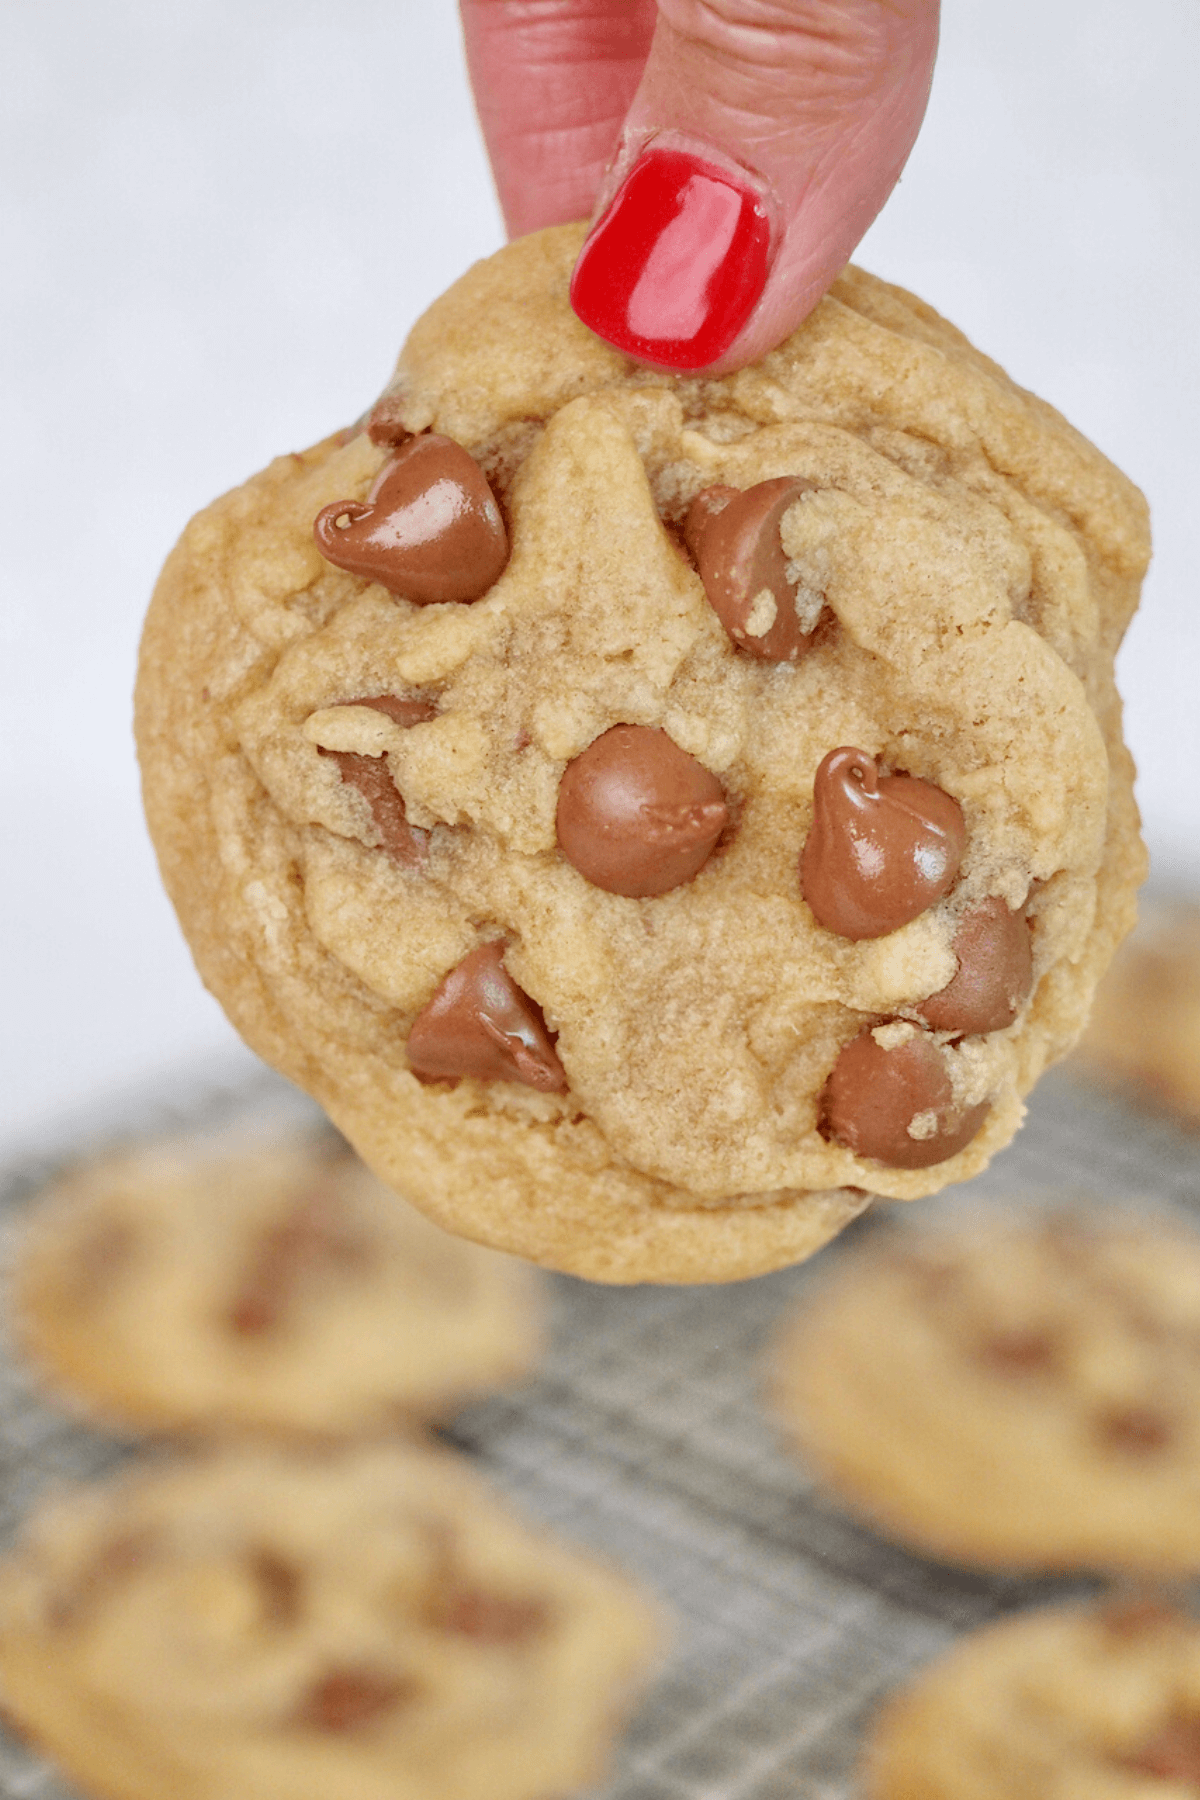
<point>646,864</point>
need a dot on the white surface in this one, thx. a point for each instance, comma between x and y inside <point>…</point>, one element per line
<point>219,221</point>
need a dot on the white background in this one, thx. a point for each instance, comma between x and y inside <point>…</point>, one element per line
<point>218,221</point>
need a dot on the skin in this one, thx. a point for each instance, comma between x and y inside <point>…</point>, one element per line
<point>821,99</point>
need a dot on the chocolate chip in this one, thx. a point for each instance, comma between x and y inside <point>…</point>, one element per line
<point>1172,1753</point>
<point>1137,1616</point>
<point>881,848</point>
<point>119,1557</point>
<point>280,1584</point>
<point>1134,1430</point>
<point>102,1257</point>
<point>1070,1239</point>
<point>429,529</point>
<point>402,709</point>
<point>994,951</point>
<point>701,513</point>
<point>480,1023</point>
<point>313,1234</point>
<point>875,1095</point>
<point>735,538</point>
<point>636,814</point>
<point>933,1276</point>
<point>1021,1350</point>
<point>346,1700</point>
<point>384,424</point>
<point>112,1564</point>
<point>373,779</point>
<point>491,1618</point>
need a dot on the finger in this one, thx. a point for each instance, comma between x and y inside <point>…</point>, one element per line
<point>763,139</point>
<point>553,81</point>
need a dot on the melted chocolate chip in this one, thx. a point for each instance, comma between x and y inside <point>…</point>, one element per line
<point>429,529</point>
<point>480,1023</point>
<point>492,1618</point>
<point>636,814</point>
<point>1134,1430</point>
<point>373,779</point>
<point>874,1095</point>
<point>881,849</point>
<point>1172,1753</point>
<point>994,975</point>
<point>744,569</point>
<point>346,1700</point>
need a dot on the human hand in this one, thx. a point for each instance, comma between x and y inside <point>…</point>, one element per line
<point>733,152</point>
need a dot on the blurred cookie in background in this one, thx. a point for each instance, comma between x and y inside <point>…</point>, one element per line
<point>320,1625</point>
<point>1021,1391</point>
<point>1145,1027</point>
<point>278,1288</point>
<point>1067,1703</point>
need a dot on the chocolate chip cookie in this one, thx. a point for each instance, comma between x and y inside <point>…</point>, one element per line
<point>651,814</point>
<point>324,1627</point>
<point>1099,1703</point>
<point>1144,1033</point>
<point>1020,1392</point>
<point>274,1288</point>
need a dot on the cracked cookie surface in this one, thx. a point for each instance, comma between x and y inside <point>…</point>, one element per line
<point>962,565</point>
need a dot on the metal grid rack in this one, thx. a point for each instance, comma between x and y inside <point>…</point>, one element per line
<point>644,1436</point>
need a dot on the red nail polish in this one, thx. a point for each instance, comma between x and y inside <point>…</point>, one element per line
<point>672,271</point>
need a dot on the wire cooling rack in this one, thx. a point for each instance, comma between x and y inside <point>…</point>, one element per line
<point>644,1436</point>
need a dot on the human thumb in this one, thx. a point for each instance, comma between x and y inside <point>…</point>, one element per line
<point>763,139</point>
